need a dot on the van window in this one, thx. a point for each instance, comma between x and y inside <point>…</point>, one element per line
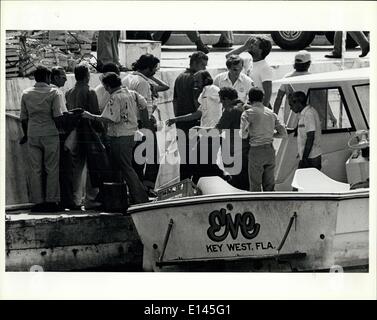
<point>362,96</point>
<point>331,107</point>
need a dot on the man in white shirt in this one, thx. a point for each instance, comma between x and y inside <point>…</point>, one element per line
<point>235,78</point>
<point>308,131</point>
<point>140,80</point>
<point>262,74</point>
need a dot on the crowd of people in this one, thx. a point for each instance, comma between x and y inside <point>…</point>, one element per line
<point>79,140</point>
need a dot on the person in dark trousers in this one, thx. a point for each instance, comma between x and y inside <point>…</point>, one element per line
<point>185,102</point>
<point>143,81</point>
<point>89,151</point>
<point>358,36</point>
<point>225,41</point>
<point>308,131</point>
<point>230,123</point>
<point>209,112</point>
<point>41,115</point>
<point>194,37</point>
<point>108,50</point>
<point>58,79</point>
<point>120,114</point>
<point>260,125</point>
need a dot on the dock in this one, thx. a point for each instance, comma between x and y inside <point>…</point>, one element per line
<point>86,241</point>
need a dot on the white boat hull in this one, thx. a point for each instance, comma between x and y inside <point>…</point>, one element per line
<point>243,232</point>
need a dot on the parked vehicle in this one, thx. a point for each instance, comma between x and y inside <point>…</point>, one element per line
<point>298,40</point>
<point>288,40</point>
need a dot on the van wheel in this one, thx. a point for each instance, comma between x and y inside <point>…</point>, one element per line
<point>293,40</point>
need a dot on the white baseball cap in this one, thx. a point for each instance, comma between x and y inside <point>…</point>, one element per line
<point>302,56</point>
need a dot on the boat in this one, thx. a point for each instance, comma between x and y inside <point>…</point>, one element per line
<point>322,225</point>
<point>212,226</point>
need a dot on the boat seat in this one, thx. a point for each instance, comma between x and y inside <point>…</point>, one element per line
<point>216,185</point>
<point>313,180</point>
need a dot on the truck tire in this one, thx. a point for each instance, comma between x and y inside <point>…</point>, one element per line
<point>350,43</point>
<point>293,40</point>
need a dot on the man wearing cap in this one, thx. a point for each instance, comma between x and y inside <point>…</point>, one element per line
<point>317,98</point>
<point>301,66</point>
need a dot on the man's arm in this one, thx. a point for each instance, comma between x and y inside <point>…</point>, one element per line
<point>245,47</point>
<point>160,85</point>
<point>278,101</point>
<point>175,96</point>
<point>24,130</point>
<point>142,105</point>
<point>244,126</point>
<point>57,107</point>
<point>308,144</point>
<point>281,132</point>
<point>24,120</point>
<point>187,117</point>
<point>95,117</point>
<point>267,88</point>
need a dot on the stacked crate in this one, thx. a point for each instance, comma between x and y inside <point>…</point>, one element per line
<point>32,41</point>
<point>80,42</point>
<point>12,58</point>
<point>58,39</point>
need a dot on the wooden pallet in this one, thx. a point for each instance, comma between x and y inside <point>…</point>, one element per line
<point>12,34</point>
<point>12,51</point>
<point>27,68</point>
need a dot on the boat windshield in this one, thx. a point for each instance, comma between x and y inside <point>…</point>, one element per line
<point>362,96</point>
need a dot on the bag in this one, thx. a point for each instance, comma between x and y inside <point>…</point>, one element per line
<point>115,197</point>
